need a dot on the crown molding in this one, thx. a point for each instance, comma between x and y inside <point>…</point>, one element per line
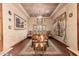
<point>60,6</point>
<point>24,10</point>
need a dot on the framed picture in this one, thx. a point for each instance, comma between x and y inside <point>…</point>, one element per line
<point>19,23</point>
<point>60,26</point>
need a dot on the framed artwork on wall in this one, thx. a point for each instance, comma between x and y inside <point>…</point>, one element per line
<point>19,23</point>
<point>60,26</point>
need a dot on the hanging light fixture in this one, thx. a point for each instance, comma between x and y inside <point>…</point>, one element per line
<point>39,18</point>
<point>39,15</point>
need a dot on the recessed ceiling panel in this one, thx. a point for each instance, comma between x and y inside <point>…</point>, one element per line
<point>36,9</point>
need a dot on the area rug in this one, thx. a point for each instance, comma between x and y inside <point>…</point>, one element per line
<point>52,50</point>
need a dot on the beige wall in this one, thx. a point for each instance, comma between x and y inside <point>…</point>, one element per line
<point>33,21</point>
<point>71,29</point>
<point>12,36</point>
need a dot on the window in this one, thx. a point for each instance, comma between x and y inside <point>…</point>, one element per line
<point>39,28</point>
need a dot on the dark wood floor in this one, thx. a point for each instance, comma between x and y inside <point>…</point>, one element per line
<point>18,47</point>
<point>61,46</point>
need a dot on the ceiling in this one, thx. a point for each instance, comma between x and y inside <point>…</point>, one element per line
<point>39,9</point>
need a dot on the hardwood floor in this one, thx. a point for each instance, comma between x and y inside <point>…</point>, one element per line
<point>55,49</point>
<point>18,47</point>
<point>61,46</point>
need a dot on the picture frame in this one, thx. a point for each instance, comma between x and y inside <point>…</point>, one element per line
<point>19,23</point>
<point>60,26</point>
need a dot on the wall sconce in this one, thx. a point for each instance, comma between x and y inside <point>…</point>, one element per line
<point>9,27</point>
<point>9,19</point>
<point>71,14</point>
<point>9,12</point>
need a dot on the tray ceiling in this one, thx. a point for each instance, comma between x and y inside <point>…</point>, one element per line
<point>36,9</point>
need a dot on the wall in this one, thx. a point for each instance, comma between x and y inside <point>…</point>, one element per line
<point>71,30</point>
<point>33,21</point>
<point>12,36</point>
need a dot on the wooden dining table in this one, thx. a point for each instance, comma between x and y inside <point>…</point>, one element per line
<point>39,43</point>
